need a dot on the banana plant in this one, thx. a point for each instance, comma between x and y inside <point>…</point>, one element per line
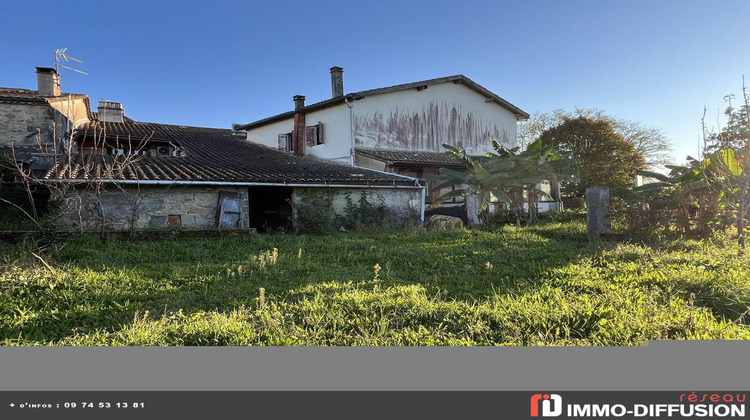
<point>705,191</point>
<point>496,174</point>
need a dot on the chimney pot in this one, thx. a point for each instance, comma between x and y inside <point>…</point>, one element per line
<point>299,102</point>
<point>48,81</point>
<point>110,111</point>
<point>337,81</point>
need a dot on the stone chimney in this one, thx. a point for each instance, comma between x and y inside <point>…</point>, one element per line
<point>110,111</point>
<point>298,130</point>
<point>337,81</point>
<point>48,81</point>
<point>299,102</point>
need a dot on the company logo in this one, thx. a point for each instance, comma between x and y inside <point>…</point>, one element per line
<point>551,405</point>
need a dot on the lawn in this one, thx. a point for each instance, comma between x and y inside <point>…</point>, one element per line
<point>545,284</point>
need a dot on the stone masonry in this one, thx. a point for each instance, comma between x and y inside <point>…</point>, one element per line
<point>194,207</point>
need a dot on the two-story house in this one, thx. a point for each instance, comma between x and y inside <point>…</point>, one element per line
<point>398,129</point>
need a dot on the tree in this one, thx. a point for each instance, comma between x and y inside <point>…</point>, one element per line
<point>734,136</point>
<point>603,156</point>
<point>505,175</point>
<point>651,142</point>
<point>703,193</point>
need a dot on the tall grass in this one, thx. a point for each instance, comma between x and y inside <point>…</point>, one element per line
<point>545,284</point>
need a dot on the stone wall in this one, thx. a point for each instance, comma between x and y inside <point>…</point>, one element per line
<point>194,207</point>
<point>403,204</point>
<point>28,124</point>
<point>19,124</point>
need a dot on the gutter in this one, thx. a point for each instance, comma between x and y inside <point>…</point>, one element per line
<point>240,184</point>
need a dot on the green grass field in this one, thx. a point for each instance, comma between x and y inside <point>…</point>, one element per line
<point>545,284</point>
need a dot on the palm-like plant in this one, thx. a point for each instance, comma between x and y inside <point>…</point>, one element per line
<point>704,191</point>
<point>503,174</point>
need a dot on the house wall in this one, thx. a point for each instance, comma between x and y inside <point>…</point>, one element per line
<point>405,120</point>
<point>268,135</point>
<point>336,133</point>
<point>197,207</point>
<point>75,109</point>
<point>424,120</point>
<point>403,204</point>
<point>19,122</point>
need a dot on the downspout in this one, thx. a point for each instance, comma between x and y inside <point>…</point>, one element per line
<point>351,131</point>
<point>424,196</point>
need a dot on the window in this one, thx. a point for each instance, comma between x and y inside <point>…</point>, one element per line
<point>285,142</point>
<point>314,134</point>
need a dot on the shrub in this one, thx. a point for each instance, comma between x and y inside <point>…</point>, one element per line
<point>314,213</point>
<point>363,214</point>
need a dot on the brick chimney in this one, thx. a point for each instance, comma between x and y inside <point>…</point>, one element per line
<point>298,131</point>
<point>48,81</point>
<point>337,81</point>
<point>110,111</point>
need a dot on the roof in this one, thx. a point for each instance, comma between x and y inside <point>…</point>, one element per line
<point>409,158</point>
<point>217,156</point>
<point>30,97</point>
<point>490,96</point>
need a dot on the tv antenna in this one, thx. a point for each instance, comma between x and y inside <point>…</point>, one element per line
<point>60,55</point>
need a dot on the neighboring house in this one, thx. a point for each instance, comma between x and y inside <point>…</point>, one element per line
<point>122,174</point>
<point>398,129</point>
<point>35,124</point>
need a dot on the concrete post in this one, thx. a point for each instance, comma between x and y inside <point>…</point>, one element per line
<point>597,211</point>
<point>472,209</point>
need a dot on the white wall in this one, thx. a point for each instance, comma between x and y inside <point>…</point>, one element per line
<point>269,134</point>
<point>405,120</point>
<point>424,120</point>
<point>336,133</point>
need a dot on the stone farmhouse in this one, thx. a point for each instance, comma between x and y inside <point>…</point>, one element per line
<point>398,129</point>
<point>125,174</point>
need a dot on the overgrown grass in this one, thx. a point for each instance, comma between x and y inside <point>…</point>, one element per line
<point>545,284</point>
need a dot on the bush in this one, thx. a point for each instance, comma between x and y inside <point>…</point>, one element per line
<point>363,214</point>
<point>314,213</point>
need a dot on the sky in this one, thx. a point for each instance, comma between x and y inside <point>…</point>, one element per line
<point>216,63</point>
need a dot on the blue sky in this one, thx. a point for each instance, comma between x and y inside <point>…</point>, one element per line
<point>217,63</point>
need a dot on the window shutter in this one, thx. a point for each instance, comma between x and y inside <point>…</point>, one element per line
<point>311,135</point>
<point>285,142</point>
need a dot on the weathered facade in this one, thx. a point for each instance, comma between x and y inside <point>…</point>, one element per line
<point>30,118</point>
<point>399,129</point>
<point>132,175</point>
<point>129,206</point>
<point>112,172</point>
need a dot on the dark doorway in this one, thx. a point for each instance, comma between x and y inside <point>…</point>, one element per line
<point>270,210</point>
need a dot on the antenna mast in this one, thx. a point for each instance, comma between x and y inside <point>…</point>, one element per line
<point>60,55</point>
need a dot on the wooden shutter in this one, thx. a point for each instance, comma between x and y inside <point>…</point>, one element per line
<point>230,210</point>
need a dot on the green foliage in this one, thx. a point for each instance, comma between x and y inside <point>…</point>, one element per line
<point>603,156</point>
<point>542,284</point>
<point>650,142</point>
<point>696,198</point>
<point>503,175</point>
<point>363,214</point>
<point>314,212</point>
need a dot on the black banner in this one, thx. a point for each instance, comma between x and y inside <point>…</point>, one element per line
<point>431,405</point>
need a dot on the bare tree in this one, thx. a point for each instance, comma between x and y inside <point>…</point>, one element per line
<point>79,172</point>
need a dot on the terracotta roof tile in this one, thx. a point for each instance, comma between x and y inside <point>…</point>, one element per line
<point>217,155</point>
<point>407,157</point>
